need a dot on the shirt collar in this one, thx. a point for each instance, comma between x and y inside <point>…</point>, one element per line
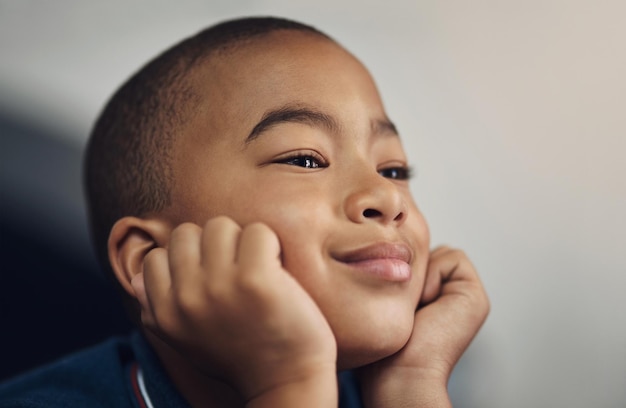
<point>158,390</point>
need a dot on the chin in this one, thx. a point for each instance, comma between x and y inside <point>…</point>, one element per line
<point>372,341</point>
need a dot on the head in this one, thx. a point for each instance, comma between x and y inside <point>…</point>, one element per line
<point>267,120</point>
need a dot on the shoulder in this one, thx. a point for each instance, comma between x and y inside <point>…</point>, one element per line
<point>95,377</point>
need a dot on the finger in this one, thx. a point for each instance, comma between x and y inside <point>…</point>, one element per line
<point>450,267</point>
<point>432,283</point>
<point>439,250</point>
<point>154,285</point>
<point>432,287</point>
<point>458,276</point>
<point>184,254</point>
<point>258,247</point>
<point>220,238</point>
<point>139,288</point>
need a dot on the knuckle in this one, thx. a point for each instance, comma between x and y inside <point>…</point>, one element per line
<point>440,249</point>
<point>220,222</point>
<point>250,284</point>
<point>465,263</point>
<point>260,231</point>
<point>185,229</point>
<point>154,256</point>
<point>188,303</point>
<point>458,253</point>
<point>256,228</point>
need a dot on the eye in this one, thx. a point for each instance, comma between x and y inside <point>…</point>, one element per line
<point>396,173</point>
<point>307,161</point>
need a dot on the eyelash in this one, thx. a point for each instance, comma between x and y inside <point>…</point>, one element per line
<point>307,160</point>
<point>310,160</point>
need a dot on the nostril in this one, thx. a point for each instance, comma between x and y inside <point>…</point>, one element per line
<point>371,213</point>
<point>399,217</point>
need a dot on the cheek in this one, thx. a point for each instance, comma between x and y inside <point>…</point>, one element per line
<point>420,241</point>
<point>419,232</point>
<point>299,214</point>
<point>304,228</point>
<point>302,231</point>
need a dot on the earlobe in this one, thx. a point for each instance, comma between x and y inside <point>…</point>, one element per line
<point>130,240</point>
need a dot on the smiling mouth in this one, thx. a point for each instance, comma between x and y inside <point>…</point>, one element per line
<point>389,262</point>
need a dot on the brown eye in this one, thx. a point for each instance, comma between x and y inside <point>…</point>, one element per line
<point>308,162</point>
<point>396,173</point>
<point>304,158</point>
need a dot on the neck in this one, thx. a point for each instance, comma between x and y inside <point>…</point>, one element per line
<point>199,389</point>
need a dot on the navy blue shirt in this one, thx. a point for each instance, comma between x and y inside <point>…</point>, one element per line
<point>121,372</point>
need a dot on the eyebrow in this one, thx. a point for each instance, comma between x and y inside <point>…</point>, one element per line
<point>381,126</point>
<point>311,117</point>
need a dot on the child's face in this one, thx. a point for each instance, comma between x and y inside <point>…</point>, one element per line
<point>315,183</point>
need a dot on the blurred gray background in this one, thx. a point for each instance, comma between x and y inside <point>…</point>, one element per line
<point>513,114</point>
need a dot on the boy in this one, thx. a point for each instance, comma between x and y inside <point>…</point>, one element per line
<point>251,198</point>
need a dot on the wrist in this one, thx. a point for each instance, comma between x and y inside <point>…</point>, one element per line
<point>404,387</point>
<point>314,390</point>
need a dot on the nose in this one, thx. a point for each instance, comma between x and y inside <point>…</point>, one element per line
<point>375,199</point>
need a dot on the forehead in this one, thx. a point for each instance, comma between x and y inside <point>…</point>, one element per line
<point>237,87</point>
<point>279,56</point>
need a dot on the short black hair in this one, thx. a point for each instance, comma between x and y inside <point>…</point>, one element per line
<point>127,167</point>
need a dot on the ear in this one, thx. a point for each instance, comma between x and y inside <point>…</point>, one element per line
<point>131,239</point>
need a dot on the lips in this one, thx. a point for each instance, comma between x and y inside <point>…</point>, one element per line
<point>390,262</point>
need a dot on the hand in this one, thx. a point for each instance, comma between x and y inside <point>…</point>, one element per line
<point>452,309</point>
<point>220,296</point>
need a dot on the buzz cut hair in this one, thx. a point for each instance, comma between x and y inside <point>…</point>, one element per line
<point>128,159</point>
